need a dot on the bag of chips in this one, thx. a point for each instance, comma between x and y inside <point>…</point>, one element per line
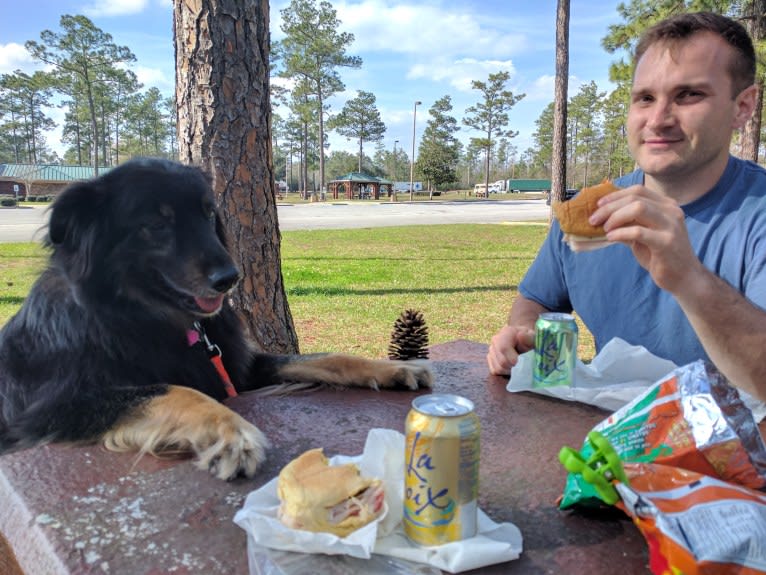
<point>695,524</point>
<point>691,419</point>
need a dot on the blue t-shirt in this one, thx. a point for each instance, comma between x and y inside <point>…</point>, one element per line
<point>615,297</point>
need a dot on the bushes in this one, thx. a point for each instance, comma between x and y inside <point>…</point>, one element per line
<point>8,202</point>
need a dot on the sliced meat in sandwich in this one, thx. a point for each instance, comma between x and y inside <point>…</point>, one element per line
<point>573,218</point>
<point>336,499</point>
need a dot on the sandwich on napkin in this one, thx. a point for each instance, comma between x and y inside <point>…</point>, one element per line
<point>573,218</point>
<point>316,496</point>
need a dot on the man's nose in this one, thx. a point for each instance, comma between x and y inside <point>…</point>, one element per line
<point>661,114</point>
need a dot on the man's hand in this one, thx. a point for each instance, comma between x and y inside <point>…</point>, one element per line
<point>731,328</point>
<point>506,346</point>
<point>652,225</point>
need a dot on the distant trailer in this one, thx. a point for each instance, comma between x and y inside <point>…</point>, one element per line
<point>529,185</point>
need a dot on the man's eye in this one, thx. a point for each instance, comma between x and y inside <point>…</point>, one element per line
<point>690,95</point>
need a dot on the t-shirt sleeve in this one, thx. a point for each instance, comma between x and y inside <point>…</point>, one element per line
<point>544,281</point>
<point>754,280</point>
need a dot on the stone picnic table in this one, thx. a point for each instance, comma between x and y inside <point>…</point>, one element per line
<point>84,510</point>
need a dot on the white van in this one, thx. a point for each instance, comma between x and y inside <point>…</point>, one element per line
<point>480,190</point>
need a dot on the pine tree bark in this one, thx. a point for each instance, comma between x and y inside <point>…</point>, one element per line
<point>224,126</point>
<point>559,160</point>
<point>750,136</point>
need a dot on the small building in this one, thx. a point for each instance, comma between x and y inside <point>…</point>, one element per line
<point>24,181</point>
<point>359,185</point>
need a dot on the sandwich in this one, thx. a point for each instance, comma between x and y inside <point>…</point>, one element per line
<point>573,218</point>
<point>315,496</point>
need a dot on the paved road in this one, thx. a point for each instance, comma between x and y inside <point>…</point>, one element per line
<point>24,224</point>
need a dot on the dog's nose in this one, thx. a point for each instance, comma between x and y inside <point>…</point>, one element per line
<point>223,279</point>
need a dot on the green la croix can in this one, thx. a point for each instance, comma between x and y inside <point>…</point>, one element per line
<point>555,350</point>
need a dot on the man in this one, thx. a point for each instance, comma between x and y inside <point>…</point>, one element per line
<point>686,275</point>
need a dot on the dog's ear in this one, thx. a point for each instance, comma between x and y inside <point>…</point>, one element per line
<point>73,226</point>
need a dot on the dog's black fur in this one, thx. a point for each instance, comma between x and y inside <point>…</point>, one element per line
<point>99,349</point>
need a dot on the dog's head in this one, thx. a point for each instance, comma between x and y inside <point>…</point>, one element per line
<point>147,231</point>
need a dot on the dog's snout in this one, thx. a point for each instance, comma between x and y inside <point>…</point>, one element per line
<point>223,279</point>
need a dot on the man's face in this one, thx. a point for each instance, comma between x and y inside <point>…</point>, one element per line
<point>682,113</point>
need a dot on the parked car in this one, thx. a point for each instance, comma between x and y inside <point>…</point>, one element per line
<point>568,195</point>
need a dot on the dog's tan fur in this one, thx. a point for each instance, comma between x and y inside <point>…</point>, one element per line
<point>186,421</point>
<point>341,370</point>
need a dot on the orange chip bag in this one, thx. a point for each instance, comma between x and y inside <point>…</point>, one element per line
<point>692,419</point>
<point>695,524</point>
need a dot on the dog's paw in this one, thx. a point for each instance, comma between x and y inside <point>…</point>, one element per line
<point>238,449</point>
<point>412,374</point>
<point>183,420</point>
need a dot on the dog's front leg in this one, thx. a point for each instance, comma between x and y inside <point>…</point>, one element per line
<point>185,420</point>
<point>348,370</point>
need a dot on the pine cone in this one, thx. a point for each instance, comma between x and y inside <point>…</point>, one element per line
<point>409,340</point>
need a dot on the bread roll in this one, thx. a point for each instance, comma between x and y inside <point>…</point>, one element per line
<point>315,496</point>
<point>573,218</point>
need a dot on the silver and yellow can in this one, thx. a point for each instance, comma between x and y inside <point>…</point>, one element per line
<point>441,470</point>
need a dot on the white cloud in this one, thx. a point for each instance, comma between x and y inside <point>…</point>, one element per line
<point>154,78</point>
<point>99,8</point>
<point>460,73</point>
<point>425,31</point>
<point>542,88</point>
<point>15,57</point>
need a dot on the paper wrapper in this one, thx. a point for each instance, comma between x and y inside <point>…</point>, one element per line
<point>617,375</point>
<point>383,457</point>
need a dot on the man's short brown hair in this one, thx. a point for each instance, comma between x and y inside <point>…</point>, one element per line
<point>675,29</point>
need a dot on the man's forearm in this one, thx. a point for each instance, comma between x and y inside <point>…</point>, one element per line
<point>524,312</point>
<point>731,329</point>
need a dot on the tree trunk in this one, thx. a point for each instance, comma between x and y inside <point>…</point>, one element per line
<point>750,137</point>
<point>222,95</point>
<point>559,159</point>
<point>320,99</point>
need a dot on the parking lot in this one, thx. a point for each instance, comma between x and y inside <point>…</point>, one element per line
<point>26,223</point>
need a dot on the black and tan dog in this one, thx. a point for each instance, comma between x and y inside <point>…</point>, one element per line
<point>111,343</point>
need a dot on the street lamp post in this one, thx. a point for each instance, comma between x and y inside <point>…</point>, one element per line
<point>393,179</point>
<point>412,159</point>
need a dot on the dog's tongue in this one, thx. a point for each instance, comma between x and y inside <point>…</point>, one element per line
<point>209,304</point>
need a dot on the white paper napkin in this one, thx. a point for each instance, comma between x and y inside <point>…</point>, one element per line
<point>619,373</point>
<point>383,457</point>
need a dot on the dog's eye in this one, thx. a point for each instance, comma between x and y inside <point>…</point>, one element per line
<point>155,225</point>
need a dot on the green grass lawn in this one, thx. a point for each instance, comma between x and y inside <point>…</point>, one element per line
<point>347,287</point>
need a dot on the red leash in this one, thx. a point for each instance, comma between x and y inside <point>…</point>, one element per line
<point>197,334</point>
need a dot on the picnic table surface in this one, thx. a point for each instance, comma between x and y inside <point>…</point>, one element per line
<point>85,510</point>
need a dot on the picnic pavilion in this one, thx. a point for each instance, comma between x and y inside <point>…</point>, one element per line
<point>360,185</point>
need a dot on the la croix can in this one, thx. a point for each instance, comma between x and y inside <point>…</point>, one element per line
<point>441,469</point>
<point>555,350</point>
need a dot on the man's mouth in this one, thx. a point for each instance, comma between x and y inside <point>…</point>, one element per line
<point>660,142</point>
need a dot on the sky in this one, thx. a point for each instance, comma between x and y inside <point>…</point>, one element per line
<point>411,51</point>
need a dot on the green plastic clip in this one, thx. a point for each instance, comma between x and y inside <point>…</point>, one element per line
<point>601,468</point>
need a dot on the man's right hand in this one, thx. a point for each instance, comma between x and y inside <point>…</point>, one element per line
<point>506,346</point>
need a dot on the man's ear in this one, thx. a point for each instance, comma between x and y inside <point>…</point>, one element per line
<point>745,104</point>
